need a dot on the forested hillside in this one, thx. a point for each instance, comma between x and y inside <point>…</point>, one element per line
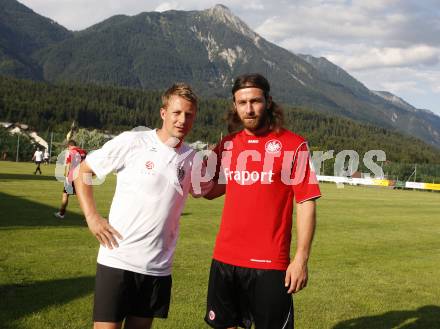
<point>49,107</point>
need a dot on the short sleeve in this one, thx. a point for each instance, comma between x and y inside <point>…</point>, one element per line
<point>111,157</point>
<point>305,185</point>
<point>68,158</point>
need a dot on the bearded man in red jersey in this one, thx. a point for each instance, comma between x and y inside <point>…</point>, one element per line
<point>262,168</point>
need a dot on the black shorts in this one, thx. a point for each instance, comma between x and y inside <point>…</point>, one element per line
<point>240,296</point>
<point>120,293</point>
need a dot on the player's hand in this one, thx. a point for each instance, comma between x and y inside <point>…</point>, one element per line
<point>296,275</point>
<point>103,231</point>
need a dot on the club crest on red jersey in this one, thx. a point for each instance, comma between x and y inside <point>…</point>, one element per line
<point>273,146</point>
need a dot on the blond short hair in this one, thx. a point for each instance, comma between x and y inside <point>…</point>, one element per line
<point>182,90</point>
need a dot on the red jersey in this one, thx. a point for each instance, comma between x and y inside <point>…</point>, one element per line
<point>75,156</point>
<point>263,175</point>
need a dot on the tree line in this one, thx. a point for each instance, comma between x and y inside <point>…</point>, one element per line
<point>52,107</point>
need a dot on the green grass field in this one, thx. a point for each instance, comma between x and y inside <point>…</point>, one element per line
<point>375,262</point>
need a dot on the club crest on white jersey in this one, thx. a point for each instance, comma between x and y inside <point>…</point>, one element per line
<point>149,165</point>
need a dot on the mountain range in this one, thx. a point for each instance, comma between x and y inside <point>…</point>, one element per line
<point>205,48</point>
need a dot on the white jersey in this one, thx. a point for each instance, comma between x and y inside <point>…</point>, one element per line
<point>38,155</point>
<point>153,181</point>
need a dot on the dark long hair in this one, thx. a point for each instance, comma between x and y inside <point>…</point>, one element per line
<point>274,114</point>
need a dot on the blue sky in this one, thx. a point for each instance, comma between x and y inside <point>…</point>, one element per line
<point>391,45</point>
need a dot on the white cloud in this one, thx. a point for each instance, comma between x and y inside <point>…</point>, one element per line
<point>322,22</point>
<point>399,87</point>
<point>374,5</point>
<point>80,14</point>
<point>305,45</point>
<point>253,5</point>
<point>167,6</point>
<point>388,57</point>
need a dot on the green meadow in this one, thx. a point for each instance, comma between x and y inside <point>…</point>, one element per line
<point>375,262</point>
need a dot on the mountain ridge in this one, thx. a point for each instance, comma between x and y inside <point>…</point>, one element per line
<point>208,49</point>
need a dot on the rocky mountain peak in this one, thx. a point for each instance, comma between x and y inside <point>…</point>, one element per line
<point>220,10</point>
<point>223,14</point>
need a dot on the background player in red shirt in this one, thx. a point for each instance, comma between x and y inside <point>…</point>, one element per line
<point>262,167</point>
<point>74,157</point>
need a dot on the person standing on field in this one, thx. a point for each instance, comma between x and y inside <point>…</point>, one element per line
<point>262,168</point>
<point>46,156</point>
<point>133,277</point>
<point>38,158</point>
<point>75,155</point>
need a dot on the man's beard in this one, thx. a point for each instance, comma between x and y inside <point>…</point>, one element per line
<point>256,123</point>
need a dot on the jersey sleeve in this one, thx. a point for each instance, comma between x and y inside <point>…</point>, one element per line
<point>111,157</point>
<point>305,186</point>
<point>68,158</point>
<point>73,159</point>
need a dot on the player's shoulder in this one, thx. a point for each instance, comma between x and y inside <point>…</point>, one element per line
<point>290,135</point>
<point>187,153</point>
<point>186,149</point>
<point>290,139</point>
<point>127,135</point>
<point>126,141</point>
<point>130,138</point>
<point>77,150</point>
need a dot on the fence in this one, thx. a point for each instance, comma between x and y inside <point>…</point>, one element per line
<point>379,182</point>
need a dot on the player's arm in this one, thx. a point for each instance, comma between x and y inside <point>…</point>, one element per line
<point>66,169</point>
<point>98,225</point>
<point>216,191</point>
<point>297,273</point>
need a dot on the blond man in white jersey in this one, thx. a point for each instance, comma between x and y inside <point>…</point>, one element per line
<point>133,280</point>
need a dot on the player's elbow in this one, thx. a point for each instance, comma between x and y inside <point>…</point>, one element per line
<point>210,197</point>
